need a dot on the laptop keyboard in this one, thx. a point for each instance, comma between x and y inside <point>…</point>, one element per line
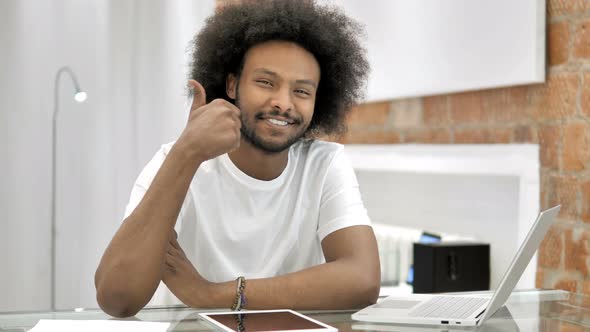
<point>453,307</point>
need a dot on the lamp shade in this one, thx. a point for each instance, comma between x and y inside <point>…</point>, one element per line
<point>80,96</point>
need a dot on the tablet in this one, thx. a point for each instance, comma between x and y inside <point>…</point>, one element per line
<point>264,320</point>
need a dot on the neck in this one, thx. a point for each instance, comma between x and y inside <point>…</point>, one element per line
<point>259,164</point>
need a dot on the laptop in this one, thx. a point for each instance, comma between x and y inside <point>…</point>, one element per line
<point>457,309</point>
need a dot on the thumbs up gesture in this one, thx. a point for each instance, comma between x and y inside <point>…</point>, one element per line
<point>212,129</point>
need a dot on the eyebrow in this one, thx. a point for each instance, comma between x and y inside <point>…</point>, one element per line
<point>273,74</point>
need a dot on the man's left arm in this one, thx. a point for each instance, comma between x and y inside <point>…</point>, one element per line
<point>349,279</point>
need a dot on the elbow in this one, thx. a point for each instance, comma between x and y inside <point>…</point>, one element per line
<point>116,303</point>
<point>371,286</point>
<point>371,290</point>
<point>119,295</point>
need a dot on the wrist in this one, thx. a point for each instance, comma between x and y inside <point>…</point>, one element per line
<point>222,294</point>
<point>240,299</point>
<point>214,295</point>
<point>199,293</point>
<point>187,151</point>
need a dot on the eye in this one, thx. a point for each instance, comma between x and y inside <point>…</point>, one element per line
<point>302,92</point>
<point>264,82</point>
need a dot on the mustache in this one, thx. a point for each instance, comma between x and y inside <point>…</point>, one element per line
<point>288,116</point>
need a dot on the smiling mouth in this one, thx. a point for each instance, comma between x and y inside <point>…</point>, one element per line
<point>276,120</point>
<point>279,123</point>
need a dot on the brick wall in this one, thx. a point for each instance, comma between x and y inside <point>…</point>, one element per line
<point>555,115</point>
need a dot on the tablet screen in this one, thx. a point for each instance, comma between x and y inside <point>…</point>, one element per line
<point>265,320</point>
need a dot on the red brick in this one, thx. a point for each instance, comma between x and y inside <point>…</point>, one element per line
<point>582,40</point>
<point>567,284</point>
<point>545,188</point>
<point>467,107</point>
<point>567,327</point>
<point>369,114</point>
<point>585,102</point>
<point>219,4</point>
<point>539,277</point>
<point>576,147</point>
<point>340,138</point>
<point>502,136</point>
<point>370,137</point>
<point>556,99</point>
<point>429,136</point>
<point>557,8</point>
<point>472,136</point>
<point>507,105</point>
<point>523,134</point>
<point>435,110</point>
<point>483,136</point>
<point>576,251</point>
<point>549,138</point>
<point>558,43</point>
<point>551,248</point>
<point>563,190</point>
<point>585,189</point>
<point>405,113</point>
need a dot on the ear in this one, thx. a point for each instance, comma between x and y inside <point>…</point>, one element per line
<point>231,83</point>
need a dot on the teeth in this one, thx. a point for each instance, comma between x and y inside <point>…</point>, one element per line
<point>278,122</point>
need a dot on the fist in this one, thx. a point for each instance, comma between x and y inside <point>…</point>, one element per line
<point>212,129</point>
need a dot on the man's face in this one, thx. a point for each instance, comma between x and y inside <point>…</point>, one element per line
<point>276,94</point>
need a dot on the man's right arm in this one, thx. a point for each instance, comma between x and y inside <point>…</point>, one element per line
<point>133,264</point>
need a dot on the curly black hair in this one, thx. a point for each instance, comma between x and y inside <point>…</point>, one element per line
<point>325,31</point>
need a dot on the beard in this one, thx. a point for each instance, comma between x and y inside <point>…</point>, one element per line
<point>250,135</point>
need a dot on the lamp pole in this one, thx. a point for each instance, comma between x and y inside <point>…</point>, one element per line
<point>79,96</point>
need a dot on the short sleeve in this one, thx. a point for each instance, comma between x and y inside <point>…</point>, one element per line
<point>341,204</point>
<point>144,180</point>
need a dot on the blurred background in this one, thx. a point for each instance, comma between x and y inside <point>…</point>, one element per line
<point>131,59</point>
<point>506,74</point>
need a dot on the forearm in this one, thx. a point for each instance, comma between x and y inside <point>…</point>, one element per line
<point>132,265</point>
<point>336,285</point>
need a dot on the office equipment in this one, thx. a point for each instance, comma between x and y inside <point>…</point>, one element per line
<point>529,310</point>
<point>426,237</point>
<point>265,320</point>
<point>451,267</point>
<point>464,310</point>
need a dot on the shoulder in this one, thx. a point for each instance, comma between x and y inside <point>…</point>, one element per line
<point>165,148</point>
<point>158,159</point>
<point>149,171</point>
<point>316,151</point>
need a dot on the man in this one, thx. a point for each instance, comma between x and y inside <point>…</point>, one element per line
<point>267,217</point>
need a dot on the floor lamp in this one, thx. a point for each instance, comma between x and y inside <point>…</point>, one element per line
<point>79,96</point>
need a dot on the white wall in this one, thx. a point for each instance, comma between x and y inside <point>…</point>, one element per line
<point>426,47</point>
<point>482,207</point>
<point>130,58</point>
<point>489,192</point>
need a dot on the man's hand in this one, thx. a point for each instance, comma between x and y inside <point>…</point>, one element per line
<point>182,278</point>
<point>212,129</point>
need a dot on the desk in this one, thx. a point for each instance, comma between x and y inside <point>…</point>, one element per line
<point>532,310</point>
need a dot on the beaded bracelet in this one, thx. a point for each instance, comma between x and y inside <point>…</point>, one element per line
<point>241,327</point>
<point>240,300</point>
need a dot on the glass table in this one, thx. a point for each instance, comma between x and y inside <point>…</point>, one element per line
<point>530,310</point>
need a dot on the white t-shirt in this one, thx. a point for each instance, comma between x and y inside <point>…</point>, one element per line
<point>231,224</point>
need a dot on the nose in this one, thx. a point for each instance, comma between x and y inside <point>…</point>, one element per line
<point>281,101</point>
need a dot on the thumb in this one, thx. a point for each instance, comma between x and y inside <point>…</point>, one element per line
<point>199,95</point>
